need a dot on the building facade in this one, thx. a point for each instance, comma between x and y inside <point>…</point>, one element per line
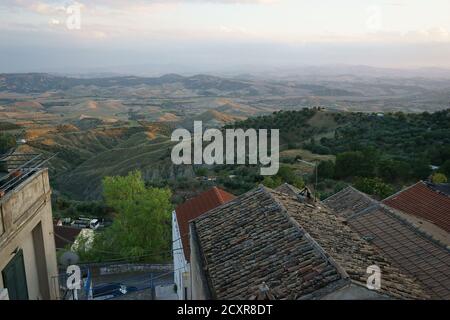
<point>185,212</point>
<point>28,264</point>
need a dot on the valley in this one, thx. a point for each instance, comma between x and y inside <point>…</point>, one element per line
<point>111,126</point>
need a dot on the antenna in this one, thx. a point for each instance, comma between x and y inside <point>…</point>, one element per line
<point>69,258</point>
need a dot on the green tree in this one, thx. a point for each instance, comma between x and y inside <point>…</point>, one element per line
<point>420,169</point>
<point>392,170</point>
<point>288,175</point>
<point>374,186</point>
<point>439,178</point>
<point>7,141</point>
<point>355,163</point>
<point>141,227</point>
<point>272,182</point>
<point>445,168</point>
<point>326,169</point>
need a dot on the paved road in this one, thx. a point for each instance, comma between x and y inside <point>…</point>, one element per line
<point>141,280</point>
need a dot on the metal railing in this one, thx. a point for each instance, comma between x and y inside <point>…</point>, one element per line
<point>18,167</point>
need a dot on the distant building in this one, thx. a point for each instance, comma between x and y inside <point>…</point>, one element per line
<point>269,244</point>
<point>410,245</point>
<point>185,212</point>
<point>27,248</point>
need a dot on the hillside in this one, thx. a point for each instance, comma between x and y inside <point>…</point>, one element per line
<point>378,153</point>
<point>83,157</point>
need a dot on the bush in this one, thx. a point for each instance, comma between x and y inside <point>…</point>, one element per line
<point>374,186</point>
<point>325,169</point>
<point>7,141</point>
<point>439,178</point>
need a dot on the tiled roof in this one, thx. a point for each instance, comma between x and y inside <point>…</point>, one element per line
<point>443,188</point>
<point>297,250</point>
<point>65,236</point>
<point>403,243</point>
<point>422,201</point>
<point>349,201</point>
<point>288,189</point>
<point>195,207</point>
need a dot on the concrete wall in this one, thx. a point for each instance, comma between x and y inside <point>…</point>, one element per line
<point>181,267</point>
<point>26,218</point>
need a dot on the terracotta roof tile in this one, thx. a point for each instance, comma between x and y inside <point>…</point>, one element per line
<point>194,208</point>
<point>422,201</point>
<point>65,235</point>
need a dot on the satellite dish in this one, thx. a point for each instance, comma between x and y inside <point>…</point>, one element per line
<point>68,258</point>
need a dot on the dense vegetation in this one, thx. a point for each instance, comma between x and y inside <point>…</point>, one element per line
<point>141,227</point>
<point>378,153</point>
<point>7,142</point>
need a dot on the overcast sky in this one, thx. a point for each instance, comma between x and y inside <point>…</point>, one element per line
<point>203,35</point>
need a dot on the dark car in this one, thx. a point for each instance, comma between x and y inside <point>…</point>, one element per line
<point>111,290</point>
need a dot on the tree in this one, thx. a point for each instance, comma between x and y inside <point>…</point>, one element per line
<point>287,174</point>
<point>272,182</point>
<point>445,168</point>
<point>420,169</point>
<point>392,170</point>
<point>374,186</point>
<point>141,227</point>
<point>7,141</point>
<point>439,178</point>
<point>325,169</point>
<point>355,163</point>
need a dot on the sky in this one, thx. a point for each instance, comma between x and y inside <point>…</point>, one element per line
<point>160,36</point>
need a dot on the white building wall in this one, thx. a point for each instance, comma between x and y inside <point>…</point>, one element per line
<point>180,265</point>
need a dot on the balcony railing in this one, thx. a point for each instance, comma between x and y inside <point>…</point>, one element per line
<point>17,168</point>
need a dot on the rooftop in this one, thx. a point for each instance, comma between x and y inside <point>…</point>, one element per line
<point>295,249</point>
<point>409,248</point>
<point>443,188</point>
<point>65,236</point>
<point>17,168</point>
<point>195,207</point>
<point>423,201</point>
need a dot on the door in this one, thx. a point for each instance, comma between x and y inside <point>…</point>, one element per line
<point>14,278</point>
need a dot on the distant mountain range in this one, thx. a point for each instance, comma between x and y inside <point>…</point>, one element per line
<point>42,82</point>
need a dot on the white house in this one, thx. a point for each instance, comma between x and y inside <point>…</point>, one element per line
<point>184,213</point>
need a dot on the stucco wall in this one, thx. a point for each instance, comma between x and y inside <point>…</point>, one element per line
<point>180,265</point>
<point>22,210</point>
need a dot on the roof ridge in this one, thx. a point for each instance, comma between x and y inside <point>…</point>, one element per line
<point>218,194</point>
<point>314,243</point>
<point>395,215</point>
<point>428,185</point>
<point>413,227</point>
<point>400,191</point>
<point>364,194</point>
<point>334,194</point>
